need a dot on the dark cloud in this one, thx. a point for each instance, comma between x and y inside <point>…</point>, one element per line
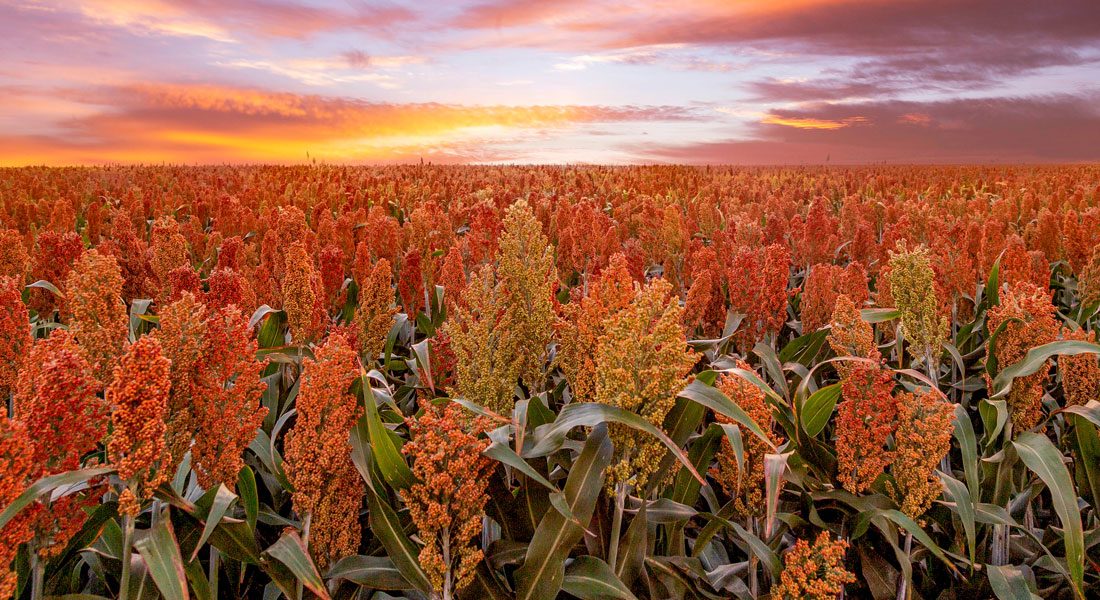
<point>897,45</point>
<point>1057,128</point>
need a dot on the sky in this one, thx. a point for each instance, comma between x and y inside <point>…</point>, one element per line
<point>535,81</point>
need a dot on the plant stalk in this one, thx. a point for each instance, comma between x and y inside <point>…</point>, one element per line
<point>448,575</point>
<point>616,524</point>
<point>305,542</point>
<point>127,551</point>
<point>212,572</point>
<point>903,581</point>
<point>38,573</point>
<point>754,581</point>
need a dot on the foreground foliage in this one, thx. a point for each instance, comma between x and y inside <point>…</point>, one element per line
<point>542,382</point>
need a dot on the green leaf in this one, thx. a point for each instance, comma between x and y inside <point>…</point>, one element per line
<point>993,285</point>
<point>1044,459</point>
<point>879,315</point>
<point>49,287</point>
<point>271,332</point>
<point>713,398</point>
<point>921,536</point>
<point>665,510</point>
<point>371,572</point>
<point>161,553</point>
<point>685,489</point>
<point>543,570</point>
<point>250,496</point>
<point>1086,443</point>
<point>385,526</point>
<point>47,485</point>
<point>994,415</point>
<point>964,506</point>
<point>761,550</point>
<point>708,531</point>
<point>771,365</point>
<point>968,445</point>
<point>485,586</point>
<point>802,345</point>
<point>1089,411</point>
<point>818,408</point>
<point>505,455</point>
<point>1009,583</point>
<point>549,438</point>
<point>634,547</point>
<point>223,499</point>
<point>1036,359</point>
<point>200,585</point>
<point>733,435</point>
<point>387,454</point>
<point>589,578</point>
<point>424,363</point>
<point>138,308</point>
<point>774,467</point>
<point>232,537</point>
<point>291,552</point>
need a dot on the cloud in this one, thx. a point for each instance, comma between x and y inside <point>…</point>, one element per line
<point>811,123</point>
<point>315,72</point>
<point>1053,128</point>
<point>362,60</point>
<point>189,123</point>
<point>667,55</point>
<point>883,48</point>
<point>226,20</point>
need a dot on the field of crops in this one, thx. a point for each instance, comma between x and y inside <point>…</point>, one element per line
<point>550,382</point>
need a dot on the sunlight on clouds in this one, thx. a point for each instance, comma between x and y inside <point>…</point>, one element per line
<point>318,72</point>
<point>804,123</point>
<point>151,17</point>
<point>188,123</point>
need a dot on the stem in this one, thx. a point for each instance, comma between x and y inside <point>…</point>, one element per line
<point>616,524</point>
<point>38,573</point>
<point>305,542</point>
<point>903,582</point>
<point>427,298</point>
<point>127,550</point>
<point>448,574</point>
<point>215,564</point>
<point>932,375</point>
<point>754,582</point>
<point>998,554</point>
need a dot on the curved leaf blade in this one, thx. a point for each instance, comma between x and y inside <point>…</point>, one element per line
<point>47,485</point>
<point>371,572</point>
<point>590,578</point>
<point>1037,358</point>
<point>550,437</point>
<point>1044,459</point>
<point>402,551</point>
<point>543,570</point>
<point>818,408</point>
<point>291,552</point>
<point>161,553</point>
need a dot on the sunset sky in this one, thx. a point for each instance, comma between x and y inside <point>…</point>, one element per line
<point>691,81</point>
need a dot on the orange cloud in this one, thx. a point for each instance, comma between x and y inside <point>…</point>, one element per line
<point>808,123</point>
<point>921,119</point>
<point>191,123</point>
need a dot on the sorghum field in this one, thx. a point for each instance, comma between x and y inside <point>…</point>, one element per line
<point>550,382</point>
